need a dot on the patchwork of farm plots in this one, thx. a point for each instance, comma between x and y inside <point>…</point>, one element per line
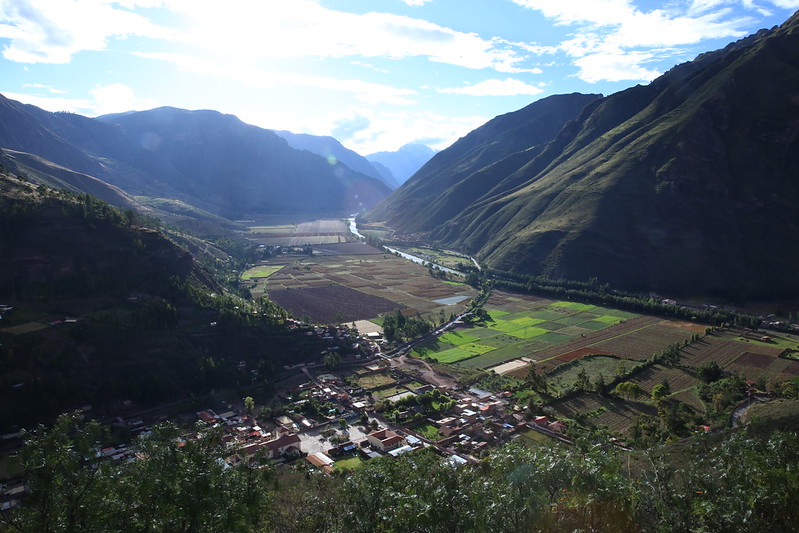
<point>514,333</point>
<point>361,287</point>
<point>323,231</point>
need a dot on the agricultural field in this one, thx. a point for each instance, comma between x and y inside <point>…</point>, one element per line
<point>596,367</point>
<point>373,381</point>
<point>615,414</point>
<point>734,350</point>
<point>361,286</point>
<point>549,333</point>
<point>300,233</point>
<point>532,439</point>
<point>260,271</point>
<point>331,303</point>
<point>751,359</point>
<point>682,383</point>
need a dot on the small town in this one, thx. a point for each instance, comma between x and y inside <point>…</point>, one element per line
<point>363,409</point>
<point>335,419</point>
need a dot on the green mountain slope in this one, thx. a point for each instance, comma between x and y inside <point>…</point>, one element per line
<point>689,185</point>
<point>109,307</point>
<point>452,179</point>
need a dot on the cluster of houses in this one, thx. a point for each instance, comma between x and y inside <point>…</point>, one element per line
<point>345,423</point>
<point>348,424</point>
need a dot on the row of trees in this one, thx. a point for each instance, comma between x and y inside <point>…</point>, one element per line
<point>600,294</point>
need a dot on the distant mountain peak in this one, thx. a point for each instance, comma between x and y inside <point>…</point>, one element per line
<point>404,162</point>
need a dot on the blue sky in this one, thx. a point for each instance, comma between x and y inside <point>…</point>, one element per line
<point>375,74</point>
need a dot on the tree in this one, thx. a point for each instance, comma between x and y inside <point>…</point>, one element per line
<point>582,383</point>
<point>710,372</point>
<point>172,485</point>
<point>621,369</point>
<point>249,404</point>
<point>332,360</point>
<point>66,480</point>
<point>659,392</point>
<point>628,389</point>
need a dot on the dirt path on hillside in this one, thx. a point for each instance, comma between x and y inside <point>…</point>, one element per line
<point>425,370</point>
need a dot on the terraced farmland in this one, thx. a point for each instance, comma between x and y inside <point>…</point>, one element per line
<point>748,358</point>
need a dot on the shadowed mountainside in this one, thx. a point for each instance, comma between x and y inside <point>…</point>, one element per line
<point>687,185</point>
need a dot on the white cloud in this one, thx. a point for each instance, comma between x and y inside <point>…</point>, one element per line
<point>615,65</point>
<point>367,130</point>
<point>47,88</point>
<point>787,4</point>
<point>365,91</point>
<point>52,31</point>
<point>614,40</point>
<point>243,31</point>
<point>252,30</point>
<point>390,131</point>
<point>106,99</point>
<point>506,87</point>
<point>116,97</point>
<point>51,103</point>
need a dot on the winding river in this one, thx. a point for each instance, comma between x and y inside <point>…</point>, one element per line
<point>415,259</point>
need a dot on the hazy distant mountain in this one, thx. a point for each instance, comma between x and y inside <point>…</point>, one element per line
<point>202,158</point>
<point>232,168</point>
<point>404,162</point>
<point>689,185</point>
<point>335,153</point>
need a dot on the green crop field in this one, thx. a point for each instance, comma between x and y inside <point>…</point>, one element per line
<point>517,332</point>
<point>573,305</point>
<point>261,271</point>
<point>554,332</point>
<point>457,338</point>
<point>608,319</point>
<point>461,352</point>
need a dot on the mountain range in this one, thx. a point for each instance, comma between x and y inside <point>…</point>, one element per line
<point>211,162</point>
<point>392,168</point>
<point>688,185</point>
<point>403,163</point>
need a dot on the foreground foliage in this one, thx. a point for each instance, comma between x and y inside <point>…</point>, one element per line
<point>734,482</point>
